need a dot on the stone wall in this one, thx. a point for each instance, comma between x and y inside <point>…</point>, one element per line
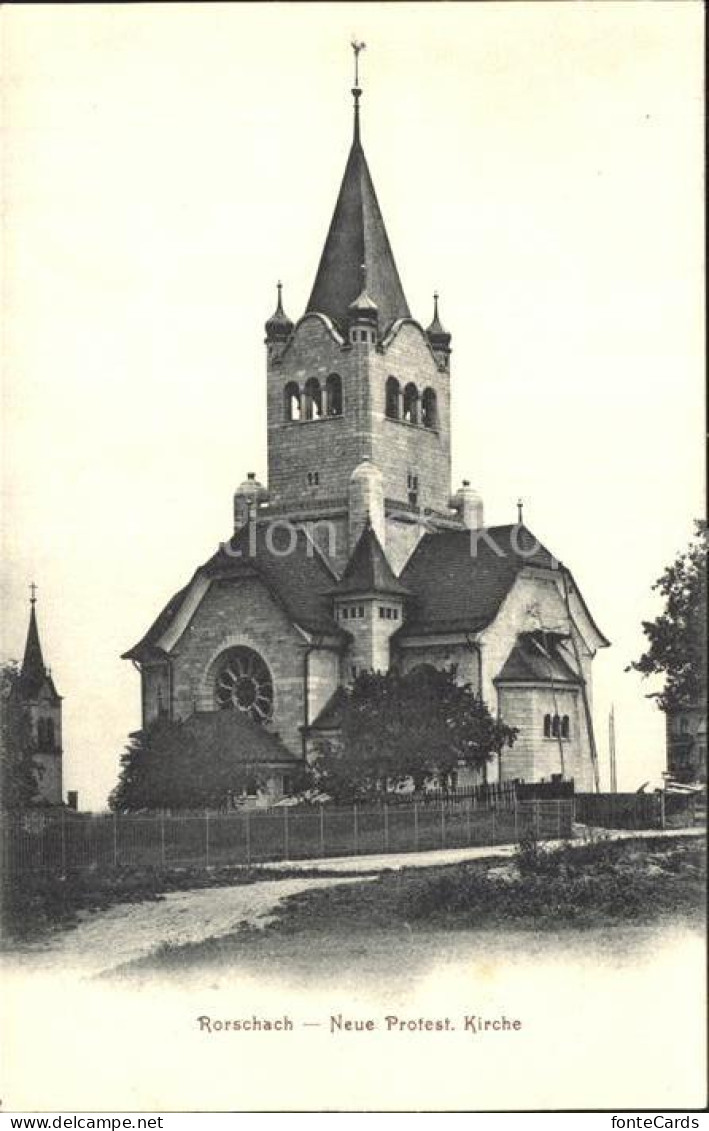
<point>533,755</point>
<point>243,613</point>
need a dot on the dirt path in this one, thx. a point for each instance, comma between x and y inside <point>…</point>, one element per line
<point>107,939</point>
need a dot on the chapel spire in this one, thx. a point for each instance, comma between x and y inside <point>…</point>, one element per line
<point>33,671</point>
<point>357,236</point>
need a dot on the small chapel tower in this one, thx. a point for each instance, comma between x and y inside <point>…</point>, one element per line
<point>44,708</point>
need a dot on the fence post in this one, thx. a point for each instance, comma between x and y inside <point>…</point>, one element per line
<point>63,843</point>
<point>558,817</point>
<point>322,829</point>
<point>206,837</point>
<point>247,829</point>
<point>285,832</point>
<point>662,809</point>
<point>162,839</point>
<point>492,839</point>
<point>516,817</point>
<point>386,827</point>
<point>468,821</point>
<point>115,840</point>
<point>355,829</point>
<point>416,824</point>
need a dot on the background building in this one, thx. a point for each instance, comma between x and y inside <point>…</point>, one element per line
<point>44,711</point>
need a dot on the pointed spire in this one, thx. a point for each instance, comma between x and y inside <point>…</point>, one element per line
<point>279,325</point>
<point>438,336</point>
<point>357,235</point>
<point>33,671</point>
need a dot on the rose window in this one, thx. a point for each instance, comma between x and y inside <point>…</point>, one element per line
<point>244,683</point>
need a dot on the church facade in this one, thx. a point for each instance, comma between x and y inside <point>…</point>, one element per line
<point>357,555</point>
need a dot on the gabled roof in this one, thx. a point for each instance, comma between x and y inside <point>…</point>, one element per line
<point>357,237</point>
<point>368,570</point>
<point>459,578</point>
<point>33,674</point>
<point>251,743</point>
<point>298,581</point>
<point>537,658</point>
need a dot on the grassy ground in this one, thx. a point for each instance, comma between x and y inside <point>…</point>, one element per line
<point>35,904</point>
<point>605,889</point>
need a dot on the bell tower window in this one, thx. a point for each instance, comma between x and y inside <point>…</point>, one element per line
<point>333,395</point>
<point>312,400</point>
<point>411,404</point>
<point>393,398</point>
<point>291,395</point>
<point>429,416</point>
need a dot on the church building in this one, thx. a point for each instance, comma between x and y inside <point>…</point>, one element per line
<point>43,708</point>
<point>358,555</point>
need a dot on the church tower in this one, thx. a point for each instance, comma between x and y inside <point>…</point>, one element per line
<point>44,710</point>
<point>358,380</point>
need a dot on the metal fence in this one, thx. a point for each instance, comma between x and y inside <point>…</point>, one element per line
<point>636,810</point>
<point>63,841</point>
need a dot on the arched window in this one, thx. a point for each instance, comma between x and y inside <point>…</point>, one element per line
<point>565,727</point>
<point>547,726</point>
<point>411,404</point>
<point>312,400</point>
<point>291,395</point>
<point>45,733</point>
<point>393,398</point>
<point>333,395</point>
<point>243,683</point>
<point>555,725</point>
<point>429,413</point>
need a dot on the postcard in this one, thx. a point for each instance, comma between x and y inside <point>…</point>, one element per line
<point>353,387</point>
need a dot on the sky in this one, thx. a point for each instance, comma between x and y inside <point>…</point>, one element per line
<point>540,165</point>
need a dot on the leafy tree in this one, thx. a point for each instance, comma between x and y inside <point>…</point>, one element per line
<point>165,767</point>
<point>677,647</point>
<point>415,727</point>
<point>18,769</point>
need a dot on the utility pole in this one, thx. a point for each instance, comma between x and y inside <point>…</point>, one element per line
<point>611,747</point>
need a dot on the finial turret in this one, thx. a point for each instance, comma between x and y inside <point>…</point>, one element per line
<point>520,507</point>
<point>438,336</point>
<point>279,325</point>
<point>364,308</point>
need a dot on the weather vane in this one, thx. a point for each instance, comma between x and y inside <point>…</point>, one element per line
<point>33,593</point>
<point>357,46</point>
